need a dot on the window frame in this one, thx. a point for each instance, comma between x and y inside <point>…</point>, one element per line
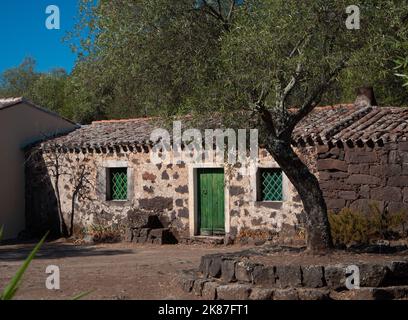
<point>258,193</point>
<point>103,184</point>
<point>109,191</point>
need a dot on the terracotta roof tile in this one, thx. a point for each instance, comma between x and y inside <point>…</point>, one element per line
<point>325,125</point>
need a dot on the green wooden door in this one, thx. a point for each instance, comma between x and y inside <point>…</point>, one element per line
<point>211,201</point>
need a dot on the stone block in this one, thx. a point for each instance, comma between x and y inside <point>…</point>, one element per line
<point>386,194</point>
<point>335,276</point>
<point>388,170</point>
<point>186,281</point>
<point>335,203</point>
<point>358,157</point>
<point>285,294</point>
<point>261,294</point>
<point>400,181</point>
<point>288,276</point>
<point>348,195</point>
<point>313,294</point>
<point>244,270</point>
<point>214,269</point>
<point>233,292</point>
<point>209,291</point>
<point>331,164</point>
<point>405,195</point>
<point>264,275</point>
<point>228,270</point>
<point>313,276</point>
<point>398,274</point>
<point>198,286</point>
<point>394,207</point>
<point>373,275</point>
<point>364,205</point>
<point>156,203</point>
<point>363,179</point>
<point>205,265</point>
<point>358,168</point>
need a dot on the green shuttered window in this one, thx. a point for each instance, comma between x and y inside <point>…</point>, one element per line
<point>118,183</point>
<point>271,185</point>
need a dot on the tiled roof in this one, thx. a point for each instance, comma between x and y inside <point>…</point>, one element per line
<point>107,134</point>
<point>325,125</point>
<point>351,125</point>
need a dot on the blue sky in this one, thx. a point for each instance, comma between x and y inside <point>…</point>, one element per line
<point>23,33</point>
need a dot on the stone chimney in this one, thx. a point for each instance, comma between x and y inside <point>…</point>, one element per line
<point>365,97</point>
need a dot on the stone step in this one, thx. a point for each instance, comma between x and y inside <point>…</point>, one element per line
<point>213,240</point>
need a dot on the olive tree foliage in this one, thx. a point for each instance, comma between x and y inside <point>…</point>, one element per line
<point>145,57</point>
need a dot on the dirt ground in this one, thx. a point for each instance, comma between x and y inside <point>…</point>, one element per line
<point>111,271</point>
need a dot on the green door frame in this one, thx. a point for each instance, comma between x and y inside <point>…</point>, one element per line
<point>211,212</point>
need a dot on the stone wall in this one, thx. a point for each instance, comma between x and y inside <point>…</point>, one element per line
<point>164,189</point>
<point>360,176</point>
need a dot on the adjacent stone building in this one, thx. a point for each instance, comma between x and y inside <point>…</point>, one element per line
<point>104,174</point>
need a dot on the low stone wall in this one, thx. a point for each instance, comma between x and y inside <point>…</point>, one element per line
<point>234,276</point>
<point>357,177</point>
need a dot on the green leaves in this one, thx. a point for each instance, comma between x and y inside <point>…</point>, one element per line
<point>81,295</point>
<point>11,289</point>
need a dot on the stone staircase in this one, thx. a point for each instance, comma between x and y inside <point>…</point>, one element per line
<point>234,277</point>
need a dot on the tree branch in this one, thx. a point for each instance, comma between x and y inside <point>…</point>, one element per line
<point>231,10</point>
<point>315,97</point>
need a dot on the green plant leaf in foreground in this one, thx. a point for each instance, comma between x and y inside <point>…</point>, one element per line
<point>12,287</point>
<point>81,295</point>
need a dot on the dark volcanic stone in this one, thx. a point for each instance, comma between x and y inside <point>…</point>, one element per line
<point>313,276</point>
<point>233,292</point>
<point>244,270</point>
<point>143,219</point>
<point>288,276</point>
<point>183,213</point>
<point>265,276</point>
<point>182,189</point>
<point>228,270</point>
<point>156,203</point>
<point>236,191</point>
<point>335,276</point>
<point>285,294</point>
<point>214,269</point>
<point>373,275</point>
<point>261,294</point>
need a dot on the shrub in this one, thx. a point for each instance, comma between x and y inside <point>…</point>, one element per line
<point>354,227</point>
<point>104,234</point>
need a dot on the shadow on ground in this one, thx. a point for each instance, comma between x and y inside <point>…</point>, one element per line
<point>55,251</point>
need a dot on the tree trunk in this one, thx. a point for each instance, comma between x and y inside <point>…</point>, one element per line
<point>317,224</point>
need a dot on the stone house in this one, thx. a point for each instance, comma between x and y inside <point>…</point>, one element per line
<point>359,153</point>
